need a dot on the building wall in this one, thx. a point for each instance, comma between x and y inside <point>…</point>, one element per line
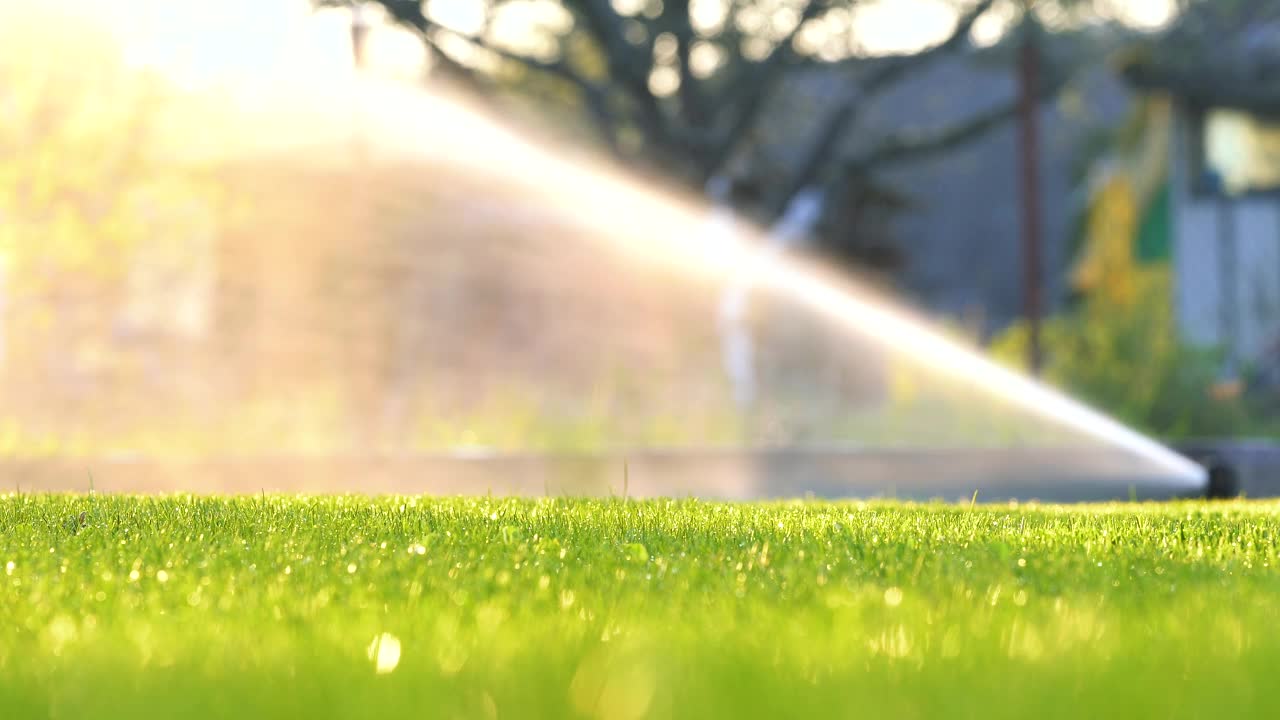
<point>961,234</point>
<point>1226,262</point>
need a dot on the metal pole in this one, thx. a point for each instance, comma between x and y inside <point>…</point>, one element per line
<point>1228,297</point>
<point>1028,77</point>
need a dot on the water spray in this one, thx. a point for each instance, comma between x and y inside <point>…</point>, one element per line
<point>792,229</point>
<point>541,267</point>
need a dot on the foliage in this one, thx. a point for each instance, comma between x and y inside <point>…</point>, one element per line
<point>1127,360</point>
<point>102,228</point>
<point>1118,346</point>
<point>79,176</point>
<point>340,607</point>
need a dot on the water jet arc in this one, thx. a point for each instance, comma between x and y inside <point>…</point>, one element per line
<point>517,264</point>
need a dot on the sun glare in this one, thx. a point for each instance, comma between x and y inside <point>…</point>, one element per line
<point>244,47</point>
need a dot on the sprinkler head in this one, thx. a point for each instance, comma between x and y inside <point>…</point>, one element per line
<point>1224,482</point>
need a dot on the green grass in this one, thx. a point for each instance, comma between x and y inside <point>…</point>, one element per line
<point>266,607</point>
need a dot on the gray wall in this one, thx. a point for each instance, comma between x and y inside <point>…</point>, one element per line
<point>964,236</point>
<point>1206,230</point>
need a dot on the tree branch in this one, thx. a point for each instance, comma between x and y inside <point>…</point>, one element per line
<point>455,70</point>
<point>1209,85</point>
<point>408,13</point>
<point>823,145</point>
<point>692,107</point>
<point>746,95</point>
<point>594,95</point>
<point>628,66</point>
<point>893,68</point>
<point>912,144</point>
<point>626,63</point>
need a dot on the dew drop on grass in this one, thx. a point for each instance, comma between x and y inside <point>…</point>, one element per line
<point>60,632</point>
<point>893,597</point>
<point>8,567</point>
<point>384,652</point>
<point>162,576</point>
<point>351,569</point>
<point>637,553</point>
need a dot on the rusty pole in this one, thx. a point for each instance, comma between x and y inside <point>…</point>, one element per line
<point>1029,152</point>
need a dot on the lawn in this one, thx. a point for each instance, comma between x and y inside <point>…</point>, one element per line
<point>352,607</point>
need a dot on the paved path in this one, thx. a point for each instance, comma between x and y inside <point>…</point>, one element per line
<point>1070,475</point>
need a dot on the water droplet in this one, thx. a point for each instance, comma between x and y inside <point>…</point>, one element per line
<point>419,550</point>
<point>1022,562</point>
<point>637,553</point>
<point>162,576</point>
<point>8,567</point>
<point>384,652</point>
<point>134,575</point>
<point>60,632</point>
<point>351,569</point>
<point>893,597</point>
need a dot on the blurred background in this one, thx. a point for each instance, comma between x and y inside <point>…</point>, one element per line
<point>215,239</point>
